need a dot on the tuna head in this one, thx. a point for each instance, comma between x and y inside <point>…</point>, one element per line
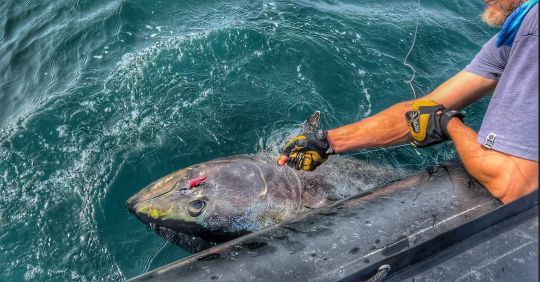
<point>221,199</point>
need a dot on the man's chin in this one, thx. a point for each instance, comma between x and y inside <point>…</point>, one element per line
<point>493,18</point>
<point>496,13</point>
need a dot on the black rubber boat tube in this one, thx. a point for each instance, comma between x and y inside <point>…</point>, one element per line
<point>398,224</point>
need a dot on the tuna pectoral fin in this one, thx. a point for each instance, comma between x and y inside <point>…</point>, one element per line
<point>312,123</point>
<point>316,201</point>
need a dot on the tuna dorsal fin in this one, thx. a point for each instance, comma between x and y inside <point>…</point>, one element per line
<point>312,123</point>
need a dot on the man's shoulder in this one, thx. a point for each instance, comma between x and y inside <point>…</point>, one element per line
<point>530,23</point>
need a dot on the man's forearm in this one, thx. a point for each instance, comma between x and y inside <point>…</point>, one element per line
<point>383,129</point>
<point>506,177</point>
<point>389,126</point>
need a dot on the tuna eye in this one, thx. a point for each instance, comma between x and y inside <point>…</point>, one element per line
<point>196,208</point>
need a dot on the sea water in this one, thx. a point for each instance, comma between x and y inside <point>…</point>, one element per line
<point>99,98</point>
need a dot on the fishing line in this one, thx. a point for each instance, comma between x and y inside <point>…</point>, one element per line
<point>410,82</point>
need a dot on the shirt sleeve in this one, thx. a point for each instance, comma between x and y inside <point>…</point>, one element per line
<point>511,121</point>
<point>491,61</point>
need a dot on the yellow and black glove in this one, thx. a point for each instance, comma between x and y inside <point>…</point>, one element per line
<point>428,122</point>
<point>307,151</point>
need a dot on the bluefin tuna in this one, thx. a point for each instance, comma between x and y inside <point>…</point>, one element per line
<point>226,198</point>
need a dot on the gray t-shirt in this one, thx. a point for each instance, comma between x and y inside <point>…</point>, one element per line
<point>511,121</point>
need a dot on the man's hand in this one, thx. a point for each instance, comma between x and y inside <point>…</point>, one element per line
<point>428,122</point>
<point>306,151</point>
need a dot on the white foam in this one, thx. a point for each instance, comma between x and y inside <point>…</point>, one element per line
<point>368,98</point>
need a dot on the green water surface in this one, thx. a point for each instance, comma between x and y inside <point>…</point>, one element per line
<point>99,98</point>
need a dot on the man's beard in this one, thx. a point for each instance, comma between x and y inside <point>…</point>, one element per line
<point>496,14</point>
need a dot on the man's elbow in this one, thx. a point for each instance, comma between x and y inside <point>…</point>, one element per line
<point>507,187</point>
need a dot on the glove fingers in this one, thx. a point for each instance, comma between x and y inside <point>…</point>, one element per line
<point>306,151</point>
<point>307,161</point>
<point>312,160</point>
<point>293,145</point>
<point>293,160</point>
<point>300,164</point>
<point>308,164</point>
<point>290,161</point>
<point>302,161</point>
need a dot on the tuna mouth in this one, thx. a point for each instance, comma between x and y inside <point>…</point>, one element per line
<point>133,201</point>
<point>130,205</point>
<point>147,194</point>
<point>188,228</point>
<point>181,226</point>
<point>155,221</point>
